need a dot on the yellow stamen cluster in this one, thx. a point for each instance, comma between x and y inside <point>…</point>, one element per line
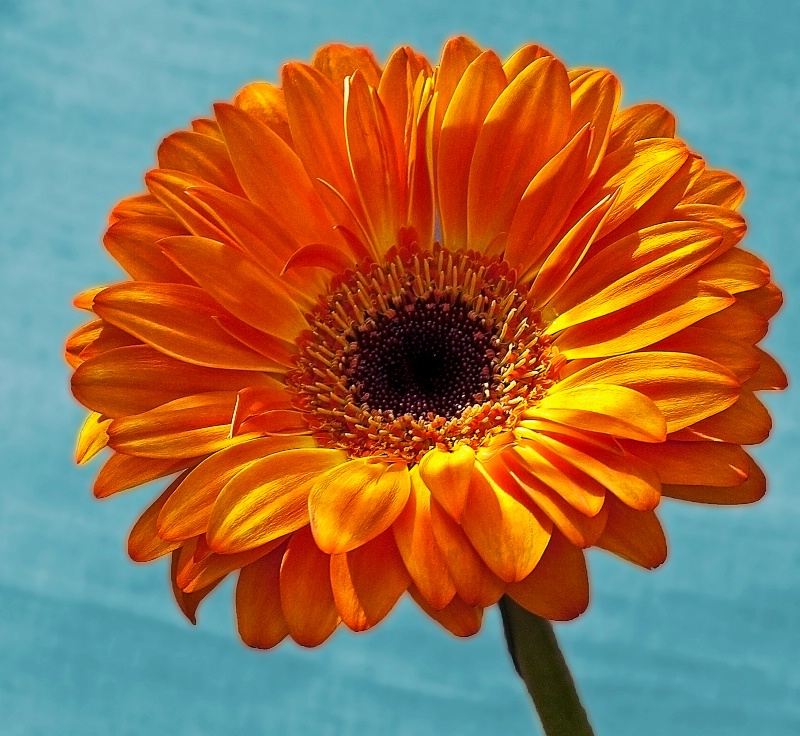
<point>495,327</point>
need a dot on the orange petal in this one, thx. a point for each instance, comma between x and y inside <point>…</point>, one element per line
<point>475,583</point>
<point>738,357</point>
<point>595,96</point>
<point>95,338</point>
<point>638,171</point>
<point>319,255</point>
<point>373,160</point>
<point>738,321</point>
<point>476,92</point>
<point>507,530</point>
<point>184,428</point>
<point>535,463</point>
<point>752,490</point>
<point>272,174</point>
<point>337,61</point>
<point>413,533</point>
<point>716,187</point>
<point>177,320</point>
<point>537,99</point>
<point>368,581</point>
<point>731,223</point>
<point>238,284</point>
<point>634,268</point>
<point>635,536</point>
<point>522,58</point>
<point>186,514</point>
<point>695,463</point>
<point>199,155</point>
<point>268,498</point>
<point>747,422</point>
<point>558,587</point>
<point>356,501</point>
<point>188,602</point>
<point>144,544</point>
<point>136,378</point>
<point>685,388</point>
<point>316,118</point>
<point>769,376</point>
<point>306,593</point>
<point>457,617</point>
<point>132,243</point>
<point>447,474</point>
<point>92,437</point>
<point>204,567</point>
<point>266,104</point>
<point>604,408</point>
<point>582,531</point>
<point>259,616</point>
<point>122,472</point>
<point>639,122</point>
<point>567,255</point>
<point>547,201</point>
<point>646,322</point>
<point>139,205</point>
<point>631,480</point>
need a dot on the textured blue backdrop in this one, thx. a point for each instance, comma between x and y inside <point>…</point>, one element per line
<point>92,644</point>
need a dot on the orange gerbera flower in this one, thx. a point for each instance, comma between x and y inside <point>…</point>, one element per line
<point>434,330</point>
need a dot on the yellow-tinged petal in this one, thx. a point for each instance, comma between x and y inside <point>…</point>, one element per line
<point>144,544</point>
<point>747,422</point>
<point>199,155</point>
<point>268,498</point>
<point>507,530</point>
<point>413,533</point>
<point>750,491</point>
<point>368,581</point>
<point>522,58</point>
<point>716,187</point>
<point>567,255</point>
<point>636,536</point>
<point>634,268</point>
<point>605,408</point>
<point>475,583</point>
<point>187,512</point>
<point>631,480</point>
<point>259,616</point>
<point>447,474</point>
<point>685,388</point>
<point>639,122</point>
<point>356,501</point>
<point>558,587</point>
<point>306,593</point>
<point>92,438</point>
<point>646,322</point>
<point>178,320</point>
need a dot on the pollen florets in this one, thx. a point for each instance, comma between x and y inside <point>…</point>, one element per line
<point>424,350</point>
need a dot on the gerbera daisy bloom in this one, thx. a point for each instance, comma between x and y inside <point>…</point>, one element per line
<point>422,329</point>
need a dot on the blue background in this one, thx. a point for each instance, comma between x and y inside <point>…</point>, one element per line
<point>92,644</point>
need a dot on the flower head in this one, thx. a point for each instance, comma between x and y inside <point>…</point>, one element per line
<point>424,329</point>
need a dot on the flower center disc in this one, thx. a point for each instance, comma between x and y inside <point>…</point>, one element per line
<point>423,351</point>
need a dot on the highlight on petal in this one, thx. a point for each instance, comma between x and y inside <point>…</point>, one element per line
<point>356,501</point>
<point>448,476</point>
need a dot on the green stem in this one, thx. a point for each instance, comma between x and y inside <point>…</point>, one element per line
<point>541,665</point>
